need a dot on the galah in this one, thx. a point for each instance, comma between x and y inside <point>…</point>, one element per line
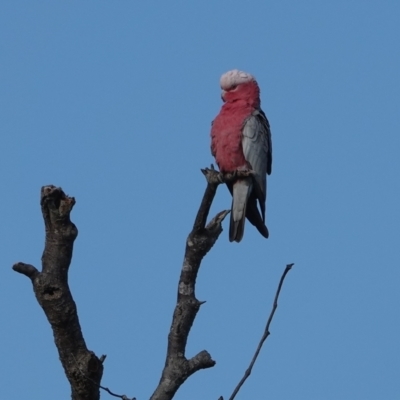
<point>241,141</point>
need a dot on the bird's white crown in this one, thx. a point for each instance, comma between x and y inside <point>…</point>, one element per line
<point>234,78</point>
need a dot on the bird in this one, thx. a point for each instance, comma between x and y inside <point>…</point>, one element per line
<point>241,141</point>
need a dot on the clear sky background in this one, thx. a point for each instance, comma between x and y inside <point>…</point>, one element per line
<point>112,101</point>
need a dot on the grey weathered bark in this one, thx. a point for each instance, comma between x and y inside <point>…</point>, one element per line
<point>82,367</point>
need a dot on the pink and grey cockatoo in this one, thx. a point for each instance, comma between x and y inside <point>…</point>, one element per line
<point>241,140</point>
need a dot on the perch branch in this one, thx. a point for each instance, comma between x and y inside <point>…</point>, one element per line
<point>265,334</point>
<point>82,367</point>
<point>200,240</point>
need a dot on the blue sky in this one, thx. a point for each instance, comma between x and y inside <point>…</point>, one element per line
<point>112,101</point>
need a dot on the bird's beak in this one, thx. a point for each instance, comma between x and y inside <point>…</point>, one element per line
<point>223,95</point>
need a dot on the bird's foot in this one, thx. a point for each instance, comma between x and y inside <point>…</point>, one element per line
<point>213,176</point>
<point>238,173</point>
<point>216,177</point>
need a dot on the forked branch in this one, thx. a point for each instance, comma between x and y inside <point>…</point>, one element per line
<point>200,240</point>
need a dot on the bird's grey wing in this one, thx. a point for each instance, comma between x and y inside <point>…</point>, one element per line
<point>212,144</point>
<point>257,150</point>
<point>264,120</point>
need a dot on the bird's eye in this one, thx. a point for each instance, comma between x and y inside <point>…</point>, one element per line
<point>233,87</point>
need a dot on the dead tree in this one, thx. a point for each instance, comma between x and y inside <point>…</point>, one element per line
<point>82,367</point>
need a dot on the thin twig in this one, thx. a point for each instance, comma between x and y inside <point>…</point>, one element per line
<point>123,397</point>
<point>265,335</point>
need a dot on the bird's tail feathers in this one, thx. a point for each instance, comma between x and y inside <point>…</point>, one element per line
<point>253,215</point>
<point>240,194</point>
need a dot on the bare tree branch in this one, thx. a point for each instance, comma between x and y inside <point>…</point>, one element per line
<point>200,240</point>
<point>264,336</point>
<point>82,367</point>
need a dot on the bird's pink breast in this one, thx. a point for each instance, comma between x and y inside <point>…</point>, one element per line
<point>226,137</point>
